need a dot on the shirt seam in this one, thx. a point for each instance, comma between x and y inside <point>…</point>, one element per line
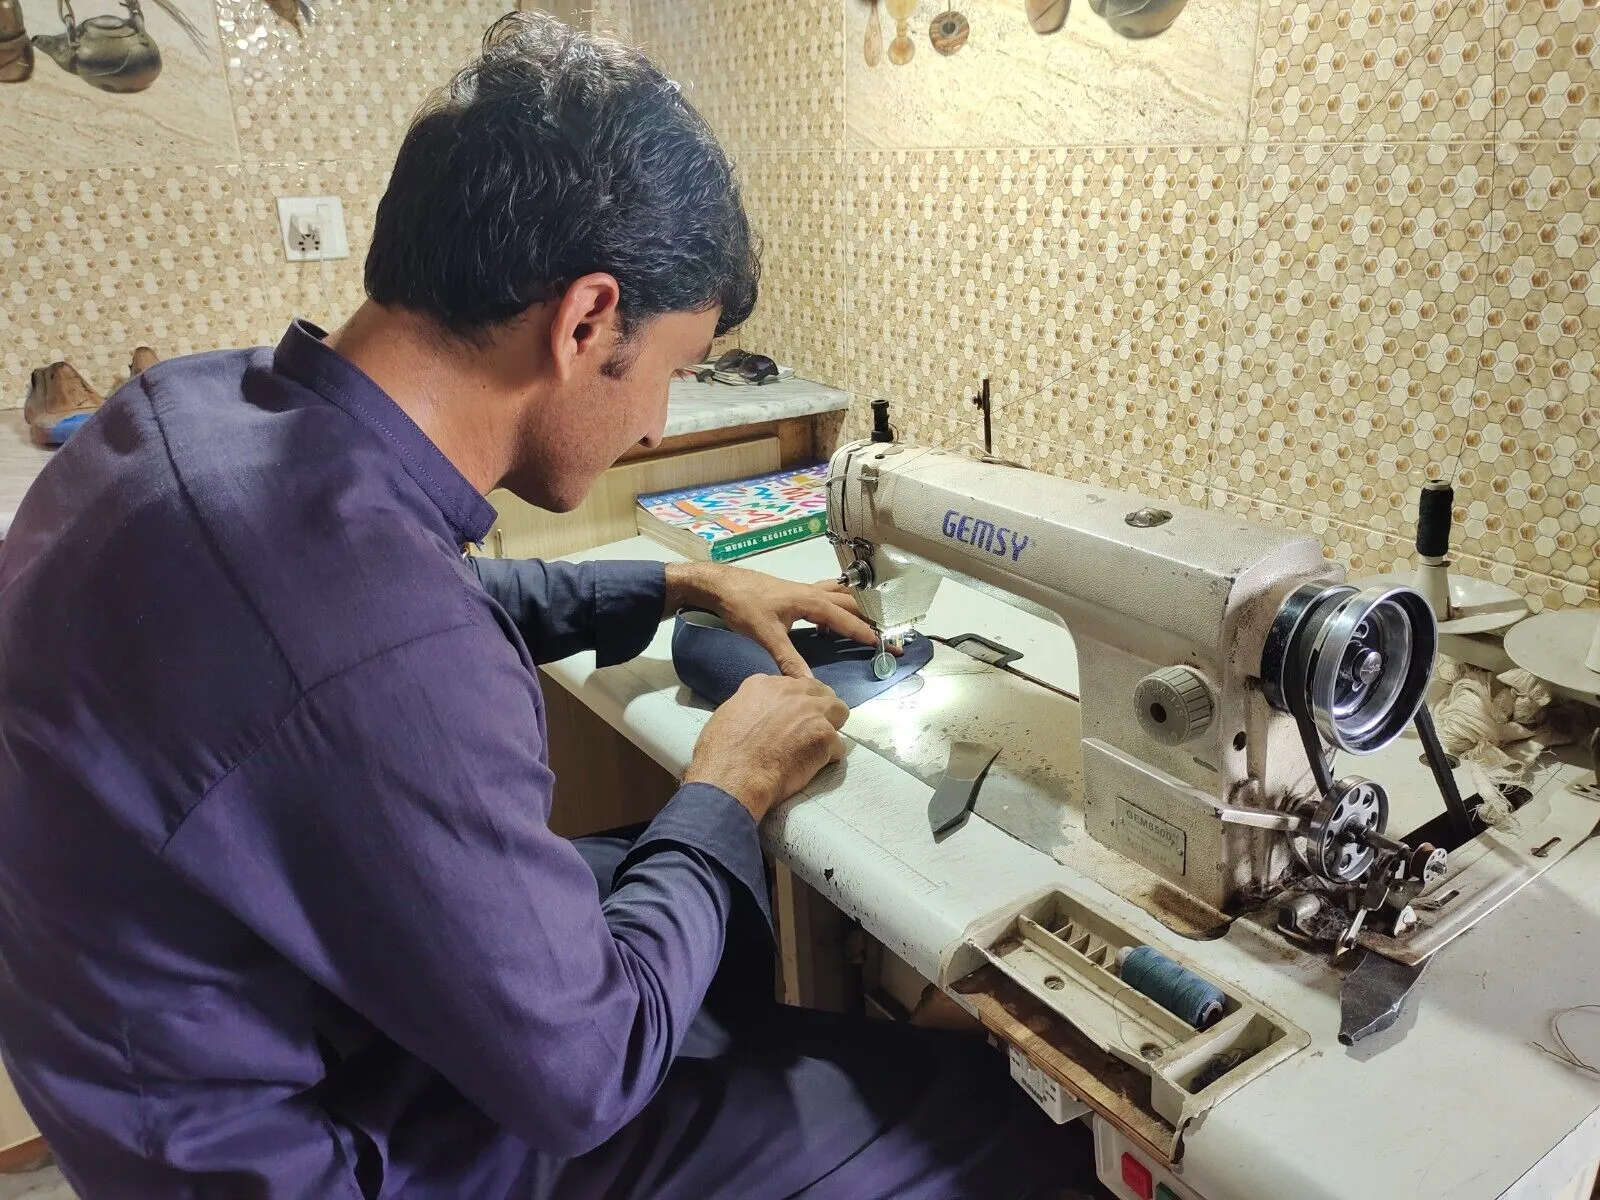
<point>289,714</point>
<point>210,537</point>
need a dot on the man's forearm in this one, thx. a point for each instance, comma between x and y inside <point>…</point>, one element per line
<point>689,585</point>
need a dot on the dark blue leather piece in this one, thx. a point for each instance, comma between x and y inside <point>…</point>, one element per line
<point>712,661</point>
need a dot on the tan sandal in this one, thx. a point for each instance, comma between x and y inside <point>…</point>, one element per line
<point>57,392</point>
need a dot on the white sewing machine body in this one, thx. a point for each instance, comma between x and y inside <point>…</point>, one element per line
<point>1219,663</point>
<point>1198,589</point>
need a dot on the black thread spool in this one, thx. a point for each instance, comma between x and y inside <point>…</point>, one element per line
<point>881,430</point>
<point>1433,519</point>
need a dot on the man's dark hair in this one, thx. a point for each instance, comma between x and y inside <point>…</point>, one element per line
<point>553,155</point>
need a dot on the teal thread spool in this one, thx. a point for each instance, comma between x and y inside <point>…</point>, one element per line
<point>1180,991</point>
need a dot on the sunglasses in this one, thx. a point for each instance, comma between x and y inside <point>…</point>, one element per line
<point>740,366</point>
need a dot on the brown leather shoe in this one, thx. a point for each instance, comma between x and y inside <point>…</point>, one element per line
<point>57,392</point>
<point>16,51</point>
<point>143,359</point>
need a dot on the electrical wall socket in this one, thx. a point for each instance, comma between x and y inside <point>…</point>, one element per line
<point>312,228</point>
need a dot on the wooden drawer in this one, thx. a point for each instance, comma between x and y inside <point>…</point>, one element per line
<point>607,515</point>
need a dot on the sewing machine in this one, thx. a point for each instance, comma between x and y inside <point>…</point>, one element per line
<point>1223,664</point>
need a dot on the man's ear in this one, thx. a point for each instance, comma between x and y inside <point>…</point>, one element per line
<point>587,324</point>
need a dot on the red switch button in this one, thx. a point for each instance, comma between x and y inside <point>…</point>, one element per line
<point>1137,1176</point>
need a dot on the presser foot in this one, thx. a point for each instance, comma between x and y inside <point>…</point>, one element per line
<point>883,662</point>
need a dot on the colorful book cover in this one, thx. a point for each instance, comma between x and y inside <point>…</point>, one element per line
<point>743,516</point>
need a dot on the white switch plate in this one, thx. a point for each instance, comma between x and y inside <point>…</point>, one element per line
<point>1049,1095</point>
<point>326,213</point>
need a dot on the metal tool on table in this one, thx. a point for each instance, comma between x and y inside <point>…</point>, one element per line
<point>958,790</point>
<point>1223,666</point>
<point>1373,996</point>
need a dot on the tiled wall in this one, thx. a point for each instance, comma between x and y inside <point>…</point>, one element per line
<point>185,255</point>
<point>1362,254</point>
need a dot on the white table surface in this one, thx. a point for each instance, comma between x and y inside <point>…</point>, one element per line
<point>1452,1103</point>
<point>694,407</point>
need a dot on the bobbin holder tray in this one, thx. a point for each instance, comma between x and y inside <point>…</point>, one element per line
<point>1063,955</point>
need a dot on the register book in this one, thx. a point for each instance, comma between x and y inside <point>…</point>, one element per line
<point>723,521</point>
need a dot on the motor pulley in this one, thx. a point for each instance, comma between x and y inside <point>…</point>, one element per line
<point>1355,661</point>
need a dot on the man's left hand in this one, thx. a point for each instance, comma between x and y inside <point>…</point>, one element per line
<point>763,607</point>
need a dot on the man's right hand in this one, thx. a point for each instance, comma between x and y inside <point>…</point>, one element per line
<point>768,740</point>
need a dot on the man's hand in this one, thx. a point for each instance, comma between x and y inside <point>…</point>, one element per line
<point>768,740</point>
<point>763,608</point>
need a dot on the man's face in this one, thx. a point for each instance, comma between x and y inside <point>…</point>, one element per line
<point>610,402</point>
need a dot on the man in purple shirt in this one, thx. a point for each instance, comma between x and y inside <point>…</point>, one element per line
<point>280,914</point>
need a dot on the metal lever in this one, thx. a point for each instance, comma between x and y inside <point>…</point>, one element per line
<point>982,403</point>
<point>958,790</point>
<point>1396,880</point>
<point>1260,818</point>
<point>1461,817</point>
<point>1373,995</point>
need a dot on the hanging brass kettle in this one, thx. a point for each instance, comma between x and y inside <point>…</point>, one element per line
<point>16,52</point>
<point>115,54</point>
<point>1138,18</point>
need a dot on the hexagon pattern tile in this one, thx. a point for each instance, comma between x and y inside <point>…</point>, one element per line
<point>184,257</point>
<point>1531,458</point>
<point>347,86</point>
<point>795,202</point>
<point>93,263</point>
<point>766,76</point>
<point>1403,296</point>
<point>1397,70</point>
<point>1545,69</point>
<point>1359,309</point>
<point>1366,551</point>
<point>1090,285</point>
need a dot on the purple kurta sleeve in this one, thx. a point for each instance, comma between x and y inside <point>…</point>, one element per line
<point>390,838</point>
<point>612,608</point>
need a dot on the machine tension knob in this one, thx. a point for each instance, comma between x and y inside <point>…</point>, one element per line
<point>1174,704</point>
<point>857,575</point>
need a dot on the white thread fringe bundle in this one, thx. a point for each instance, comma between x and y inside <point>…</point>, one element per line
<point>1498,724</point>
